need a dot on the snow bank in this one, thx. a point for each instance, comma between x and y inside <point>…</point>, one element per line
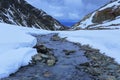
<point>16,44</point>
<point>15,48</point>
<point>108,41</point>
<point>12,60</point>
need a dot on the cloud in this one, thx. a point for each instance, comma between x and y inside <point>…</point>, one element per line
<point>67,9</point>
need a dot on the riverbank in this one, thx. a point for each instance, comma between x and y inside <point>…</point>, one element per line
<point>59,59</point>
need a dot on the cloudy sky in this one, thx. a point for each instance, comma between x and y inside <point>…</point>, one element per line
<point>68,10</point>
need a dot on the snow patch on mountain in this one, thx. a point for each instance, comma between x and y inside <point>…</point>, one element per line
<point>114,24</point>
<point>115,3</point>
<point>104,18</point>
<point>87,22</point>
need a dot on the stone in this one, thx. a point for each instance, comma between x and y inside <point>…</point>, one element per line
<point>118,78</point>
<point>47,74</point>
<point>112,66</point>
<point>50,62</point>
<point>37,57</point>
<point>55,37</point>
<point>68,52</point>
<point>106,14</point>
<point>107,77</point>
<point>85,64</point>
<point>44,56</point>
<point>95,71</point>
<point>41,48</point>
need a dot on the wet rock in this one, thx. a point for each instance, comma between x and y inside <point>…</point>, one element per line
<point>101,66</point>
<point>55,37</point>
<point>118,78</point>
<point>112,66</point>
<point>42,49</point>
<point>47,74</point>
<point>107,77</point>
<point>45,56</point>
<point>51,62</point>
<point>37,57</point>
<point>94,71</point>
<point>48,59</point>
<point>87,48</point>
<point>85,64</point>
<point>77,44</point>
<point>94,64</point>
<point>68,52</point>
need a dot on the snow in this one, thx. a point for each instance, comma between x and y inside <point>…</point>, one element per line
<point>115,3</point>
<point>57,26</point>
<point>15,49</point>
<point>107,24</point>
<point>16,44</point>
<point>108,41</point>
<point>12,60</point>
<point>85,23</point>
<point>110,24</point>
<point>9,16</point>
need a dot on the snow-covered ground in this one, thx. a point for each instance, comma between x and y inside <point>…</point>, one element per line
<point>87,22</point>
<point>108,41</point>
<point>15,49</point>
<point>16,44</point>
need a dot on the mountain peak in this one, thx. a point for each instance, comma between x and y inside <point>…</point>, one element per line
<point>21,13</point>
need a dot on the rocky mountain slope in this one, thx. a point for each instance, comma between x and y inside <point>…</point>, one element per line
<point>107,17</point>
<point>19,12</point>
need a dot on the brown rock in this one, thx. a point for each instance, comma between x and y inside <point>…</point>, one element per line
<point>68,52</point>
<point>106,14</point>
<point>47,74</point>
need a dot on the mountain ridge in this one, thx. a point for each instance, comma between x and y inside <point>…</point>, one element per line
<point>20,12</point>
<point>106,17</point>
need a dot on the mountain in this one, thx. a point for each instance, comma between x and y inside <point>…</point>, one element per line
<point>19,12</point>
<point>106,17</point>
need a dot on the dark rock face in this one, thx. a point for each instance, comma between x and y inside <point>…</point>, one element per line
<point>106,14</point>
<point>19,12</point>
<point>97,20</point>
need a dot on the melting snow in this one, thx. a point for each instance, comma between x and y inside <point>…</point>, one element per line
<point>108,41</point>
<point>16,44</point>
<point>15,49</point>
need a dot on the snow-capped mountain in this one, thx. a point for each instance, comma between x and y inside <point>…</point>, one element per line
<point>21,13</point>
<point>106,17</point>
